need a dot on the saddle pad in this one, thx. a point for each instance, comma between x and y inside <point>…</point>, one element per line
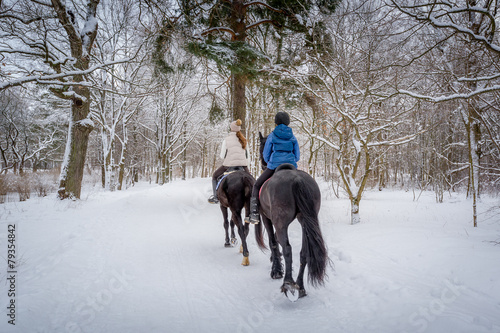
<point>284,166</point>
<point>224,175</point>
<point>260,190</point>
<point>220,181</point>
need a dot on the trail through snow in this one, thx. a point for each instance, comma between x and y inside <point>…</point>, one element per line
<point>152,259</point>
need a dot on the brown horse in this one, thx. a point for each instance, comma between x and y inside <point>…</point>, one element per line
<point>234,193</point>
<point>287,195</point>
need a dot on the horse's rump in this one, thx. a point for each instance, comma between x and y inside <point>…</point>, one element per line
<point>235,186</point>
<point>280,189</point>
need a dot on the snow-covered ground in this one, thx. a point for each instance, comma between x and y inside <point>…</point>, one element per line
<point>151,259</point>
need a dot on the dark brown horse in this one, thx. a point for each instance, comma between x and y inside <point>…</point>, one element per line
<point>287,195</point>
<point>234,192</point>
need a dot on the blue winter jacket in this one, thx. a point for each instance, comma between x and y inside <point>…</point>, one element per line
<point>281,147</point>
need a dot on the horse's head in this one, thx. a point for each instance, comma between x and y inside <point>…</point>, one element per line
<point>263,140</point>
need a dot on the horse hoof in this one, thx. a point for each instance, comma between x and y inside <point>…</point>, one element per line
<point>245,261</point>
<point>227,245</point>
<point>291,290</point>
<point>234,241</point>
<point>302,293</point>
<point>276,275</point>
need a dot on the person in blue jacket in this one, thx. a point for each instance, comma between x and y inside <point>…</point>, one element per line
<point>281,147</point>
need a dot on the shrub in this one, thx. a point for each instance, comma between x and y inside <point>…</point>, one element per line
<point>3,188</point>
<point>23,187</point>
<point>43,183</point>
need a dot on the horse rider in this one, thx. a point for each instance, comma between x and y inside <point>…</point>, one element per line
<point>281,147</point>
<point>234,153</point>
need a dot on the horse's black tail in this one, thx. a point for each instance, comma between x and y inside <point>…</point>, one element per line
<point>314,246</point>
<point>259,237</point>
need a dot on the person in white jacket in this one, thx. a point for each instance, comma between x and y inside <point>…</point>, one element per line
<point>234,153</point>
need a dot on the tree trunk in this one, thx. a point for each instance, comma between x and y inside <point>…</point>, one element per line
<point>238,80</point>
<point>355,219</point>
<point>473,125</point>
<point>239,98</point>
<point>103,175</point>
<point>70,180</point>
<point>472,129</point>
<point>121,165</point>
<point>121,173</point>
<point>184,153</point>
<point>108,168</point>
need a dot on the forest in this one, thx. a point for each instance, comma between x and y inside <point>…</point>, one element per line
<point>382,94</point>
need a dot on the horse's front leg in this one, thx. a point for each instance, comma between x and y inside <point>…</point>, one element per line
<point>289,287</point>
<point>226,225</point>
<point>243,229</point>
<point>276,266</point>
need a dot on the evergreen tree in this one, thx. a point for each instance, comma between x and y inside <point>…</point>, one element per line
<point>220,30</point>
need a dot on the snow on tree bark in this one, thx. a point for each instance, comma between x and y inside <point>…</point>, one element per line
<point>80,127</point>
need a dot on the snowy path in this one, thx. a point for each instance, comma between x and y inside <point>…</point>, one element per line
<point>151,259</point>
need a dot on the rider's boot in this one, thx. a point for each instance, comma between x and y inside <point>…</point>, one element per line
<point>254,217</point>
<point>213,198</point>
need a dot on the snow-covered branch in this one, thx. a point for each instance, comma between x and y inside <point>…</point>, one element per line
<point>47,78</point>
<point>219,29</point>
<point>255,24</point>
<point>477,79</point>
<point>89,31</point>
<point>442,19</point>
<point>68,22</point>
<point>19,18</point>
<point>397,141</point>
<point>327,142</point>
<point>493,88</point>
<point>263,4</point>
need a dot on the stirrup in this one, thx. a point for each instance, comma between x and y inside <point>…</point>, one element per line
<point>213,200</point>
<point>254,218</point>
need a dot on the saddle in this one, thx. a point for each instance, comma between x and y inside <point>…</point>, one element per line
<point>284,166</point>
<point>227,172</point>
<point>233,169</point>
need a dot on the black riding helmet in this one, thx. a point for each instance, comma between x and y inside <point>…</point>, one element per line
<point>282,118</point>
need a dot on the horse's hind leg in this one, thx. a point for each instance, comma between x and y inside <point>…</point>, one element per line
<point>226,225</point>
<point>234,240</point>
<point>276,266</point>
<point>289,287</point>
<point>303,262</point>
<point>247,208</point>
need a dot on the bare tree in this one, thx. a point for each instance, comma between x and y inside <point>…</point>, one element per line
<point>51,43</point>
<point>121,88</point>
<point>28,136</point>
<point>468,44</point>
<point>353,85</point>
